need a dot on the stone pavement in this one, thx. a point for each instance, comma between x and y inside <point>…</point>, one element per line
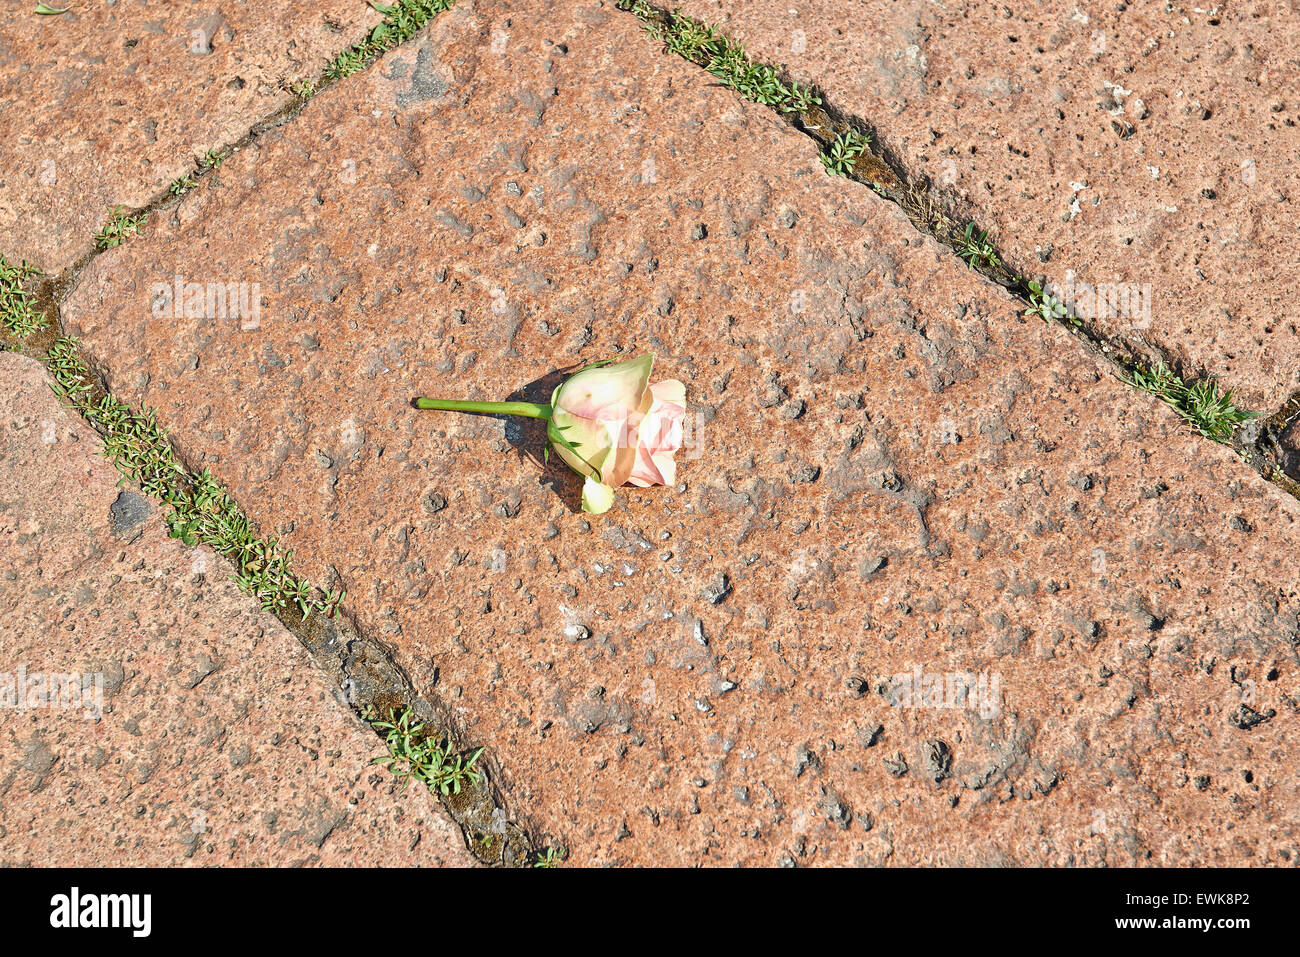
<point>109,103</point>
<point>899,480</point>
<point>1151,146</point>
<point>196,731</point>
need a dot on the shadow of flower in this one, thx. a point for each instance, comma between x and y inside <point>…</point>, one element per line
<point>528,437</point>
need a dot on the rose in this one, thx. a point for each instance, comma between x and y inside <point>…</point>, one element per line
<point>607,423</point>
<point>660,435</point>
<point>612,427</point>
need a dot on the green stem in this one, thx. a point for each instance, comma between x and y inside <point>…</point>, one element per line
<point>528,409</point>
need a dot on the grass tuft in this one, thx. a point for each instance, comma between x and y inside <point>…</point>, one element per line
<point>1200,403</point>
<point>18,314</point>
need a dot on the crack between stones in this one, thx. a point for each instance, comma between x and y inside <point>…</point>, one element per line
<point>941,216</point>
<point>367,678</point>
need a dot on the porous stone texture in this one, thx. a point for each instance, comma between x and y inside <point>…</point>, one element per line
<point>195,729</point>
<point>1290,446</point>
<point>891,468</point>
<point>110,102</point>
<point>1123,144</point>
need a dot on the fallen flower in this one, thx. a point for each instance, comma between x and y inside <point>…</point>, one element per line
<point>608,424</point>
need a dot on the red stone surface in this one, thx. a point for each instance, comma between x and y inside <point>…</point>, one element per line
<point>895,470</point>
<point>1142,143</point>
<point>110,102</point>
<point>217,741</point>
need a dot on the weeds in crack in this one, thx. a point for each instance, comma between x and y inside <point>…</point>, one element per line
<point>119,228</point>
<point>721,56</point>
<point>18,315</point>
<point>402,20</point>
<point>549,857</point>
<point>1046,306</point>
<point>845,150</point>
<point>182,185</point>
<point>925,211</point>
<point>842,155</point>
<point>211,160</point>
<point>639,8</point>
<point>201,511</point>
<point>415,754</point>
<point>1200,403</point>
<point>974,247</point>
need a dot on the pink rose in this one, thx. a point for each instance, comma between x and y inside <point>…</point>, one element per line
<point>607,422</point>
<point>659,435</point>
<point>612,427</point>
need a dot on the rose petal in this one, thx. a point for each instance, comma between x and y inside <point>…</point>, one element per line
<point>605,392</point>
<point>596,498</point>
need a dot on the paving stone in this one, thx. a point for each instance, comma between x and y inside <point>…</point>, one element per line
<point>195,730</point>
<point>982,498</point>
<point>1134,143</point>
<point>111,102</point>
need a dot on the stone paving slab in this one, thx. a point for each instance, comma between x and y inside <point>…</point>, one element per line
<point>898,471</point>
<point>203,734</point>
<point>111,102</point>
<point>1132,143</point>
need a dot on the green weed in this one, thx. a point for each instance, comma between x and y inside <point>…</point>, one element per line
<point>843,152</point>
<point>1200,403</point>
<point>726,59</point>
<point>974,247</point>
<point>416,755</point>
<point>201,511</point>
<point>402,20</point>
<point>18,314</point>
<point>1046,306</point>
<point>120,227</point>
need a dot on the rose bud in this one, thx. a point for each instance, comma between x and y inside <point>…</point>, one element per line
<point>607,423</point>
